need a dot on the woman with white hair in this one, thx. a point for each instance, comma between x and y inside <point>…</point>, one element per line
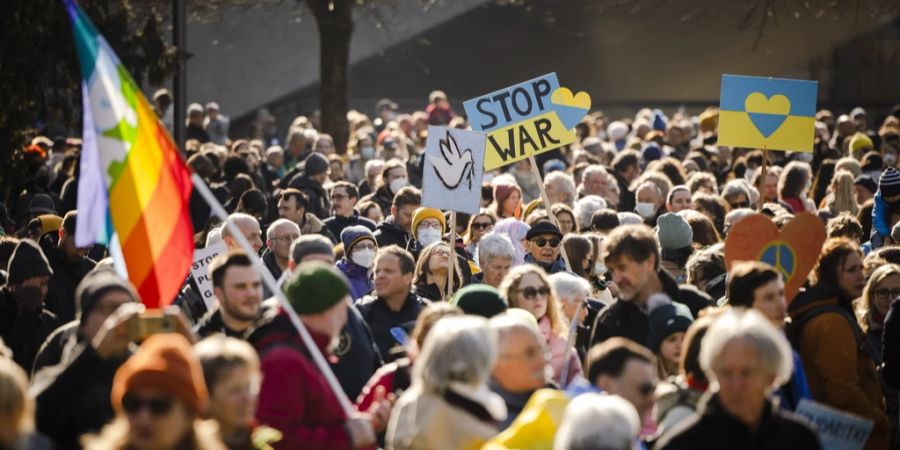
<point>745,359</point>
<point>573,292</point>
<point>496,255</point>
<point>516,230</point>
<point>598,421</point>
<point>449,405</point>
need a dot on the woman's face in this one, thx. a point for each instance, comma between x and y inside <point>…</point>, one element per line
<point>480,226</point>
<point>156,420</point>
<point>671,347</point>
<point>851,278</point>
<point>439,260</point>
<point>511,203</point>
<point>232,402</point>
<point>566,222</point>
<point>533,295</point>
<point>885,293</point>
<point>374,214</point>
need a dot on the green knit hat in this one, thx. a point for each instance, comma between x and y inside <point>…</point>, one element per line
<point>315,287</point>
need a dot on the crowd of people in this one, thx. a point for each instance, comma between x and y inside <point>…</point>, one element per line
<point>605,320</point>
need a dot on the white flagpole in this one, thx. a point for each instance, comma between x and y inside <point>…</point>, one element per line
<point>269,281</point>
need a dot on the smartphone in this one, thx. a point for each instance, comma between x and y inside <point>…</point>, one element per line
<point>149,323</point>
<point>400,336</point>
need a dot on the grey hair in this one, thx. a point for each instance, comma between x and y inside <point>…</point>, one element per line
<point>598,422</point>
<point>236,219</point>
<point>749,325</point>
<point>279,223</point>
<point>629,218</point>
<point>373,163</point>
<point>567,286</point>
<point>592,170</point>
<point>646,184</point>
<point>457,350</point>
<point>585,208</point>
<point>495,245</point>
<point>564,181</point>
<point>734,188</point>
<point>310,244</point>
<point>735,216</point>
<point>504,324</point>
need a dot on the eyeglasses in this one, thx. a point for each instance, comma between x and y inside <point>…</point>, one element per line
<point>647,389</point>
<point>481,225</point>
<point>740,205</point>
<point>339,197</point>
<point>288,238</point>
<point>530,293</point>
<point>366,245</point>
<point>132,404</point>
<point>541,242</point>
<point>887,293</point>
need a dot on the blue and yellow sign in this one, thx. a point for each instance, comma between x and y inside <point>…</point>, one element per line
<point>770,113</point>
<point>526,119</point>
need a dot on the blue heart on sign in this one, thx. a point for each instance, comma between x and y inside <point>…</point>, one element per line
<point>767,114</point>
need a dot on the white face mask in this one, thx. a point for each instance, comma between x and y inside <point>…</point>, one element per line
<point>367,152</point>
<point>397,184</point>
<point>599,268</point>
<point>364,257</point>
<point>428,236</point>
<point>645,210</point>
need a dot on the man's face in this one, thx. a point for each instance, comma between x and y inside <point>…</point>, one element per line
<point>545,248</point>
<point>520,363</point>
<point>71,252</point>
<point>106,305</point>
<point>241,292</point>
<point>681,200</point>
<point>279,241</point>
<point>769,300</point>
<point>250,230</point>
<point>395,173</point>
<point>390,281</point>
<point>287,209</point>
<point>637,383</point>
<point>742,378</point>
<point>196,118</point>
<point>337,171</point>
<point>596,184</point>
<point>495,270</point>
<point>649,194</point>
<point>630,276</point>
<point>403,216</point>
<point>341,202</point>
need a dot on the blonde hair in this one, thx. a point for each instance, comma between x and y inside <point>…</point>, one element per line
<point>864,305</point>
<point>842,189</point>
<point>15,403</point>
<point>510,286</point>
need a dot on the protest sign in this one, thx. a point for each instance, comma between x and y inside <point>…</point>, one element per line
<point>526,119</point>
<point>837,429</point>
<point>453,170</point>
<point>767,113</point>
<point>793,251</point>
<point>200,271</point>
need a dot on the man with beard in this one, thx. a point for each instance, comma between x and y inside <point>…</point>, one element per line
<point>238,290</point>
<point>69,263</point>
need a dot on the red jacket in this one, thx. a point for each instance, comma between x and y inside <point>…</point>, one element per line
<point>295,398</point>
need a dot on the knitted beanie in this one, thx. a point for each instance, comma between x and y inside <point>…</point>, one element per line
<point>889,183</point>
<point>315,287</point>
<point>315,164</point>
<point>479,300</point>
<point>27,261</point>
<point>353,234</point>
<point>860,141</point>
<point>666,318</point>
<point>673,232</point>
<point>165,363</point>
<point>98,283</point>
<point>423,213</point>
<point>503,190</point>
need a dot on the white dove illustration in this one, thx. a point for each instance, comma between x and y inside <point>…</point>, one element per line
<point>454,165</point>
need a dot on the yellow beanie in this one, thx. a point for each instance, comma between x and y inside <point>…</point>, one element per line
<point>423,213</point>
<point>860,141</point>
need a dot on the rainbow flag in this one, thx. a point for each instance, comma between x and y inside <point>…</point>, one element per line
<point>134,188</point>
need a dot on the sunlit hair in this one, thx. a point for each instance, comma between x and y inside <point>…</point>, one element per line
<point>510,287</point>
<point>864,306</point>
<point>597,421</point>
<point>457,350</point>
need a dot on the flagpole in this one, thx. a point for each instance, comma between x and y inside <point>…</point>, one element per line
<point>269,281</point>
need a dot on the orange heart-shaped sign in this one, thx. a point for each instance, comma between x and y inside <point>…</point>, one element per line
<point>793,251</point>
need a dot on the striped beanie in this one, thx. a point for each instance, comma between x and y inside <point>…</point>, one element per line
<point>889,184</point>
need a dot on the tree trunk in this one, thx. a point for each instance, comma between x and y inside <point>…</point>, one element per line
<point>335,21</point>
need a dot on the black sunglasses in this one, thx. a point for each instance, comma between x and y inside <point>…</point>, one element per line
<point>740,205</point>
<point>132,404</point>
<point>530,292</point>
<point>481,225</point>
<point>540,242</point>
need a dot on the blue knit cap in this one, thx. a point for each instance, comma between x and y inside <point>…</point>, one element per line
<point>353,234</point>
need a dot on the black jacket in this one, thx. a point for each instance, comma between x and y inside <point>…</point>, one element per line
<point>384,197</point>
<point>66,276</point>
<point>380,318</point>
<point>389,233</point>
<point>73,397</point>
<point>626,197</point>
<point>336,224</point>
<point>685,294</point>
<point>61,343</point>
<point>268,258</point>
<point>891,353</point>
<point>23,331</point>
<point>319,203</point>
<point>711,427</point>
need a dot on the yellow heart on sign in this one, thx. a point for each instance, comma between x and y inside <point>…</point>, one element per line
<point>563,96</point>
<point>758,103</point>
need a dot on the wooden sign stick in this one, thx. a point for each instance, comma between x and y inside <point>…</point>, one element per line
<point>451,259</point>
<point>762,179</point>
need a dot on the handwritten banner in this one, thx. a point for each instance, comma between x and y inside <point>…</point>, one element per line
<point>200,271</point>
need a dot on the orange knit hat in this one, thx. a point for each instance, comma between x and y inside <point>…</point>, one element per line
<point>165,363</point>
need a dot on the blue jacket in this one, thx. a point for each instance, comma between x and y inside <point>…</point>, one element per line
<point>796,388</point>
<point>360,280</point>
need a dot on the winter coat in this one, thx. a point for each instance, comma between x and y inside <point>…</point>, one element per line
<point>359,276</point>
<point>383,197</point>
<point>314,225</point>
<point>890,356</point>
<point>711,427</point>
<point>556,266</point>
<point>389,233</point>
<point>381,319</point>
<point>24,331</point>
<point>462,418</point>
<point>295,398</point>
<point>268,259</point>
<point>515,402</point>
<point>319,202</point>
<point>556,348</point>
<point>73,397</point>
<point>336,224</point>
<point>840,371</point>
<point>191,303</point>
<point>57,347</point>
<point>627,201</point>
<point>66,275</point>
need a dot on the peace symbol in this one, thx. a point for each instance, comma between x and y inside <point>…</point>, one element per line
<point>781,256</point>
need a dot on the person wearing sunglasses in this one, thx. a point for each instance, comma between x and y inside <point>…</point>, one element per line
<point>881,291</point>
<point>479,225</point>
<point>159,396</point>
<point>527,287</point>
<point>625,368</point>
<point>543,247</point>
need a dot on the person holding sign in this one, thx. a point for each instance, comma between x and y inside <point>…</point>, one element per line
<point>746,358</point>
